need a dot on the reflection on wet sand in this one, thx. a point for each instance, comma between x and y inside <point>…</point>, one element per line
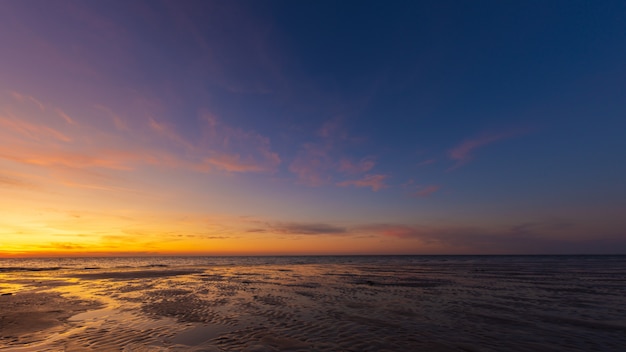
<point>488,304</point>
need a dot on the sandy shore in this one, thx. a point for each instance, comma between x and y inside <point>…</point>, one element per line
<point>312,307</point>
<point>27,315</point>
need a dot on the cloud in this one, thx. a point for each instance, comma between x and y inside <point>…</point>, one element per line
<point>543,237</point>
<point>463,153</point>
<point>167,131</point>
<point>15,182</point>
<point>548,225</point>
<point>350,167</point>
<point>31,131</point>
<point>376,182</point>
<point>330,128</point>
<point>118,122</point>
<point>87,178</point>
<point>318,162</point>
<point>447,237</point>
<point>312,164</point>
<point>22,98</point>
<point>34,138</point>
<point>232,149</point>
<point>399,231</point>
<point>115,159</point>
<point>306,229</point>
<point>235,163</point>
<point>27,99</point>
<point>427,190</point>
<point>65,246</point>
<point>65,117</point>
<point>261,226</point>
<point>426,162</point>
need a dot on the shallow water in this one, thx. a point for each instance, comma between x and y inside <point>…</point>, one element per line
<point>360,303</point>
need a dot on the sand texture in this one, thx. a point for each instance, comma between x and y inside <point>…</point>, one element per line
<point>464,305</point>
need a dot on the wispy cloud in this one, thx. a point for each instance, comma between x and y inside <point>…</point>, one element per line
<point>294,228</point>
<point>331,128</point>
<point>544,225</point>
<point>27,99</point>
<point>550,236</point>
<point>427,162</point>
<point>312,164</point>
<point>13,181</point>
<point>322,161</point>
<point>398,231</point>
<point>101,156</point>
<point>351,167</point>
<point>427,190</point>
<point>65,246</point>
<point>232,149</point>
<point>117,120</point>
<point>108,159</point>
<point>375,182</point>
<point>168,132</point>
<point>235,163</point>
<point>464,152</point>
<point>65,117</point>
<point>30,130</point>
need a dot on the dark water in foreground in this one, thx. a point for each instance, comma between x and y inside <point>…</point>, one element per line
<point>334,303</point>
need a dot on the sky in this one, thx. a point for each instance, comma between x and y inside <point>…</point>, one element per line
<point>312,127</point>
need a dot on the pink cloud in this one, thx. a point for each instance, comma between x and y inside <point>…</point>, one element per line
<point>103,152</point>
<point>65,117</point>
<point>317,162</point>
<point>115,159</point>
<point>462,153</point>
<point>426,162</point>
<point>400,231</point>
<point>312,164</point>
<point>329,128</point>
<point>449,235</point>
<point>234,149</point>
<point>376,182</point>
<point>552,236</point>
<point>27,98</point>
<point>235,163</point>
<point>14,180</point>
<point>30,130</point>
<point>394,230</point>
<point>119,123</point>
<point>427,191</point>
<point>168,132</point>
<point>349,167</point>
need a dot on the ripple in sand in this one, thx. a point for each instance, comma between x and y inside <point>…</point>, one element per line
<point>27,316</point>
<point>200,334</point>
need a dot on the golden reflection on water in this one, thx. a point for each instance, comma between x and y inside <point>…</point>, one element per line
<point>335,306</point>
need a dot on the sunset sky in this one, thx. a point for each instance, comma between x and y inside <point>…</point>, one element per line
<point>312,127</point>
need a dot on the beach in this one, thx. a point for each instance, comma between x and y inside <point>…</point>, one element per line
<point>361,303</point>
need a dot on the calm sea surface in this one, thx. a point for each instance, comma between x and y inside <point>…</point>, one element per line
<point>543,263</point>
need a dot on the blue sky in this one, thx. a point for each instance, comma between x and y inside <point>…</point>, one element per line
<point>313,126</point>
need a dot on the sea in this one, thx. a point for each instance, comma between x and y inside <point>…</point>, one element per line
<point>333,303</point>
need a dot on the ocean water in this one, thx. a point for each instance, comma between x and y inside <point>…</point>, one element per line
<point>538,262</point>
<point>331,303</point>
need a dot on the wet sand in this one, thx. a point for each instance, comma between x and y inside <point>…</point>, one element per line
<point>436,306</point>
